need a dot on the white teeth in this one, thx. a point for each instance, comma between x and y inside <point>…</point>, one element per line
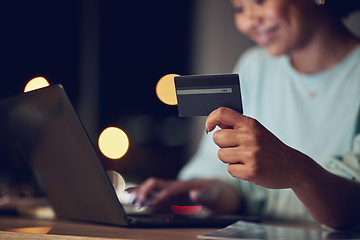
<point>262,38</point>
<point>263,35</point>
<point>264,31</point>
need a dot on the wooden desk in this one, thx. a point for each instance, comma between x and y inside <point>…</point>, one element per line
<point>10,227</point>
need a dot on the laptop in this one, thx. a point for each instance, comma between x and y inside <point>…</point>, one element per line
<point>42,127</point>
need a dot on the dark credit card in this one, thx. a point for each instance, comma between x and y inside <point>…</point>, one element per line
<point>199,95</point>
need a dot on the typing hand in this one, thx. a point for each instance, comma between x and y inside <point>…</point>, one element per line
<point>215,195</point>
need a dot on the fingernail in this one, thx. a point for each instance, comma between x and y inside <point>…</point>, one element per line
<point>206,130</point>
<point>195,195</point>
<point>129,189</point>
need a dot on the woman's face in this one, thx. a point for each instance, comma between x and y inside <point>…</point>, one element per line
<point>281,26</point>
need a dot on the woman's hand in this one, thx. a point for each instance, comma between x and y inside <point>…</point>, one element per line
<point>253,153</point>
<point>218,196</point>
<point>256,155</point>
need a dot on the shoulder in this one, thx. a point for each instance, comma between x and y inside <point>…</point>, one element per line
<point>354,56</point>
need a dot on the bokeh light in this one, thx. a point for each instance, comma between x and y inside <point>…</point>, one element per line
<point>36,83</point>
<point>39,230</point>
<point>165,89</point>
<point>113,142</point>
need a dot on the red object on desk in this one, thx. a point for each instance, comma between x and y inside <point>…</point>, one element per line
<point>186,210</point>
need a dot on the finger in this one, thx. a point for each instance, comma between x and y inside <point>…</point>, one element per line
<point>224,118</point>
<point>130,189</point>
<point>147,189</point>
<point>162,197</point>
<point>227,138</point>
<point>234,155</point>
<point>239,171</point>
<point>171,192</point>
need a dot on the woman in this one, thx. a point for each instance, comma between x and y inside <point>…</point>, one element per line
<point>301,97</point>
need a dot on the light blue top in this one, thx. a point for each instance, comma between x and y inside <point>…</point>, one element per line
<point>315,114</point>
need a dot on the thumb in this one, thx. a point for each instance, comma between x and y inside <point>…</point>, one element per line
<point>224,118</point>
<point>195,195</point>
<point>204,197</point>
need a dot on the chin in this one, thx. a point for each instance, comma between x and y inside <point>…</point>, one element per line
<point>275,52</point>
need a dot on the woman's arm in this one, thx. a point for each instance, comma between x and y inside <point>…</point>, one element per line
<point>330,199</point>
<point>254,154</point>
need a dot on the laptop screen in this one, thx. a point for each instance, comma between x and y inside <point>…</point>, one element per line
<point>44,129</point>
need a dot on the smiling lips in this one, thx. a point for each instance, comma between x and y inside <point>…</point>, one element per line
<point>264,36</point>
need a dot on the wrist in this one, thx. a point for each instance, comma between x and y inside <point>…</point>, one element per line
<point>306,171</point>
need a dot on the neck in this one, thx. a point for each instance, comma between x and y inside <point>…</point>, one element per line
<point>331,43</point>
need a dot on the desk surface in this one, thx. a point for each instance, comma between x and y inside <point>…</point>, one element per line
<point>14,227</point>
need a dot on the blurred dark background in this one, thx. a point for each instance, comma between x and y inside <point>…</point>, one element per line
<point>109,55</point>
<point>134,43</point>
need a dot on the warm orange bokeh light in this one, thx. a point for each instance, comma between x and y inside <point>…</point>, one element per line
<point>113,142</point>
<point>36,83</point>
<point>165,89</point>
<point>40,230</point>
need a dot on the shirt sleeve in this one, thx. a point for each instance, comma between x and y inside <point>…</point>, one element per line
<point>348,165</point>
